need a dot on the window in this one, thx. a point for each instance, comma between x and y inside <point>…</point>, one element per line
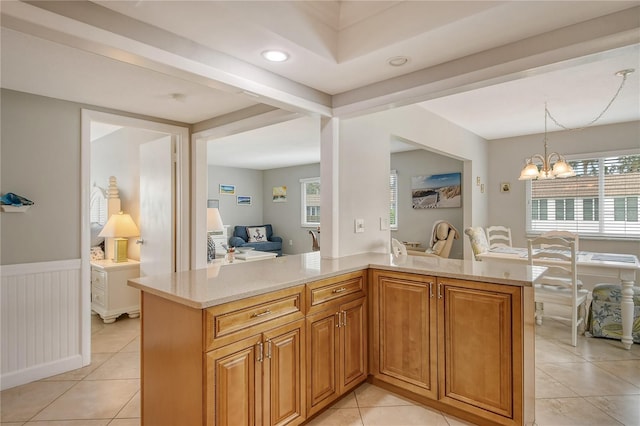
<point>310,190</point>
<point>601,200</point>
<point>393,187</point>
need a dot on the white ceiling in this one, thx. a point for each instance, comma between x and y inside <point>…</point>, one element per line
<point>486,66</point>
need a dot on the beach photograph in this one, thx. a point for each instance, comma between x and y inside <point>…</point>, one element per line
<point>436,191</point>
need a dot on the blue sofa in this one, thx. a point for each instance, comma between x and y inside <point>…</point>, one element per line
<point>240,238</point>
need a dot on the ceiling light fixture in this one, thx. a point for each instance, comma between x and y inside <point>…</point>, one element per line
<point>561,168</point>
<point>275,55</point>
<point>398,61</point>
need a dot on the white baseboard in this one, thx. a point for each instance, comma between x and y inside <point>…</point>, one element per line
<point>40,371</point>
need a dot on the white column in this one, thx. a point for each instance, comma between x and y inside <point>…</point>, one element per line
<point>330,187</point>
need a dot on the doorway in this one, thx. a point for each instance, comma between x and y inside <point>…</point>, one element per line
<point>179,232</point>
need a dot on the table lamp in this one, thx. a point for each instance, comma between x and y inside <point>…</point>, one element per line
<point>120,227</point>
<point>214,225</point>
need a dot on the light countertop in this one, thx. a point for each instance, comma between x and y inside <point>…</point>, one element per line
<point>218,283</point>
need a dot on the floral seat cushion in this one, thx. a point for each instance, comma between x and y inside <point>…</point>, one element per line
<point>478,239</point>
<point>605,315</point>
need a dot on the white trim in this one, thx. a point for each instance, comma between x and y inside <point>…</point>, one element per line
<point>40,371</point>
<point>182,207</point>
<point>40,267</point>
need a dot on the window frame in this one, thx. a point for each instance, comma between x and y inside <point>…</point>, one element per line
<point>393,178</point>
<point>599,212</point>
<point>303,202</point>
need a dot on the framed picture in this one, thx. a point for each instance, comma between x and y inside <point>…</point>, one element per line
<point>243,200</point>
<point>227,189</point>
<point>279,194</point>
<point>505,187</point>
<point>436,191</point>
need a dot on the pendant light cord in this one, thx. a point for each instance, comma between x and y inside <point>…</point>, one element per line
<point>624,74</point>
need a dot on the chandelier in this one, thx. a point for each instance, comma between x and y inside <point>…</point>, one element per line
<point>560,168</point>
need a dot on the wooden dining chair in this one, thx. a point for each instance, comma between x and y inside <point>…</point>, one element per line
<point>559,284</point>
<point>499,236</point>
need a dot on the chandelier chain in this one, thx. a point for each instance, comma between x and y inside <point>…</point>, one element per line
<point>624,79</point>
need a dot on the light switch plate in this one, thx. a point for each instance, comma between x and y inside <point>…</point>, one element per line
<point>359,225</point>
<point>384,223</point>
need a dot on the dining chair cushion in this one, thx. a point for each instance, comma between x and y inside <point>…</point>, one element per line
<point>478,239</point>
<point>605,314</point>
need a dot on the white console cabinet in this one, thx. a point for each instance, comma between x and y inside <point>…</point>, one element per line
<point>110,294</point>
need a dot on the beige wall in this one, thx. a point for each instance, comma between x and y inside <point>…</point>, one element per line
<point>506,159</point>
<point>40,159</point>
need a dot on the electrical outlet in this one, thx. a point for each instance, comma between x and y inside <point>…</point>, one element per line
<point>359,225</point>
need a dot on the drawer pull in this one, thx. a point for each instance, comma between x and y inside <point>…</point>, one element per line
<point>339,290</point>
<point>261,314</point>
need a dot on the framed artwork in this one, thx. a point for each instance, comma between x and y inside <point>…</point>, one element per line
<point>279,194</point>
<point>227,189</point>
<point>243,200</point>
<point>436,191</point>
<point>505,187</point>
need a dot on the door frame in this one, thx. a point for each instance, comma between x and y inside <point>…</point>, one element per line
<point>182,208</point>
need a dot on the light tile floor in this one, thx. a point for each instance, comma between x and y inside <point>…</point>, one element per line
<point>596,383</point>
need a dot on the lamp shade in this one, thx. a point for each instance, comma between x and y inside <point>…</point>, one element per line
<point>214,221</point>
<point>530,171</point>
<point>120,226</point>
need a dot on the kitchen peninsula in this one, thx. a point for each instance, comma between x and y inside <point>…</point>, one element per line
<point>275,342</point>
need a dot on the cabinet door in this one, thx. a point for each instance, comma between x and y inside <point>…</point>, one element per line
<point>353,344</point>
<point>405,339</point>
<point>284,375</point>
<point>233,375</point>
<point>479,341</point>
<point>322,356</point>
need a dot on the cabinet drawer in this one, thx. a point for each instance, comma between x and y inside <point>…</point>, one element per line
<point>98,279</point>
<point>337,289</point>
<point>231,321</point>
<point>97,297</point>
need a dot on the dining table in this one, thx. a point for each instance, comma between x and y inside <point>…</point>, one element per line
<point>622,267</point>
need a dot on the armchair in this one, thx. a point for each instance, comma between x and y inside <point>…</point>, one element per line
<point>265,240</point>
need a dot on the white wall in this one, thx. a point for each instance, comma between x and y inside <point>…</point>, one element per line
<point>286,217</point>
<point>118,154</point>
<point>247,182</point>
<point>364,166</point>
<point>506,159</point>
<point>417,224</point>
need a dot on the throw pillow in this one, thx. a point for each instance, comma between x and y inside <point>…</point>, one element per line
<point>257,234</point>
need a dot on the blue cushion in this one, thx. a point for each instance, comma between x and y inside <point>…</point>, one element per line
<point>241,231</point>
<point>240,238</point>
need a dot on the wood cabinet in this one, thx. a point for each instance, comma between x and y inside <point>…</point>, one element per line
<point>258,380</point>
<point>337,339</point>
<point>457,345</point>
<point>239,363</point>
<point>404,347</point>
<point>463,347</point>
<point>110,294</point>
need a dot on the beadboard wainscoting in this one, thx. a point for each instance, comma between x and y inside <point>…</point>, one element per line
<point>41,320</point>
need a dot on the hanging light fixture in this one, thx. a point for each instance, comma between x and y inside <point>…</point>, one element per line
<point>549,170</point>
<point>560,168</point>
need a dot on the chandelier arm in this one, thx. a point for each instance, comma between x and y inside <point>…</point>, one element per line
<point>558,156</point>
<point>624,79</point>
<point>539,157</point>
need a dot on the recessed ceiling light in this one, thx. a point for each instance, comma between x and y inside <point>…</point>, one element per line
<point>398,61</point>
<point>275,55</point>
